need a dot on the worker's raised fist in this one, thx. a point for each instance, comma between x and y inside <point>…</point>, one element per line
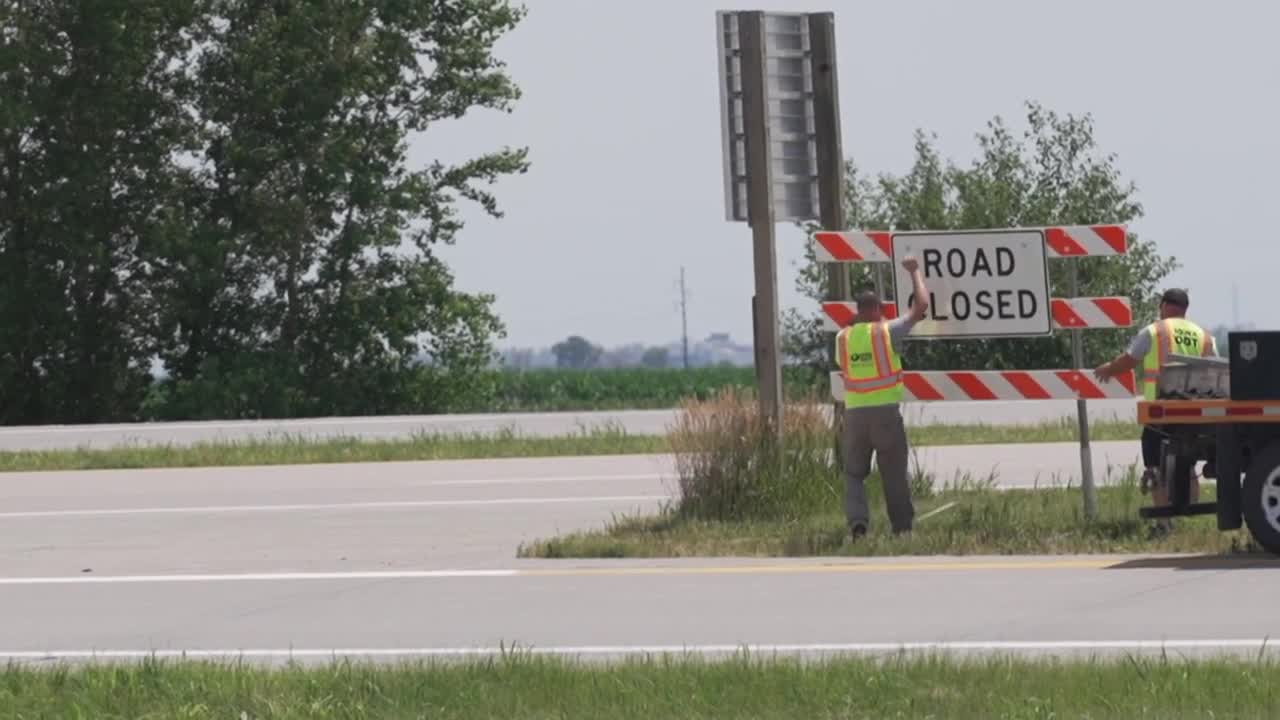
<point>910,263</point>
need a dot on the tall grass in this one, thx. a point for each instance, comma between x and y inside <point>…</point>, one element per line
<point>743,685</point>
<point>731,465</point>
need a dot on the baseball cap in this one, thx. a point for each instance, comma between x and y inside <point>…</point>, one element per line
<point>1176,296</point>
<point>867,300</point>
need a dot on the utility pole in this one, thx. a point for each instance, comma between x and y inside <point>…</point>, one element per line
<point>756,119</point>
<point>684,320</point>
<point>830,167</point>
<point>1235,306</point>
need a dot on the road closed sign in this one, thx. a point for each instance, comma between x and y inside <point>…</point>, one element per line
<point>991,283</point>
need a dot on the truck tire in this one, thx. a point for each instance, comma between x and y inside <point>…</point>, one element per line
<point>1177,472</point>
<point>1260,499</point>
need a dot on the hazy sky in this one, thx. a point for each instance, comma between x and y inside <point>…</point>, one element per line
<point>621,115</point>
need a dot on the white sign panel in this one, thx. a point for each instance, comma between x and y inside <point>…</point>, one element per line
<point>989,283</point>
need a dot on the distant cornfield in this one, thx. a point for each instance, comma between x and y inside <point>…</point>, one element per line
<point>630,388</point>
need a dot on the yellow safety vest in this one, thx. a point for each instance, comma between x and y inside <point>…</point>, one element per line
<point>869,365</point>
<point>1177,336</point>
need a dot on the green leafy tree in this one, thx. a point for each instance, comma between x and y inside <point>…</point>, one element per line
<point>93,110</point>
<point>308,278</point>
<point>1051,174</point>
<point>656,357</point>
<point>576,353</point>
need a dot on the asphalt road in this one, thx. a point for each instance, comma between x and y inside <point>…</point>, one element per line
<point>414,559</point>
<point>649,422</point>
<point>1058,605</point>
<point>448,514</point>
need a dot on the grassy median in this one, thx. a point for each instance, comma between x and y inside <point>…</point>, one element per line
<point>603,440</point>
<point>741,493</point>
<point>740,687</point>
<point>961,521</point>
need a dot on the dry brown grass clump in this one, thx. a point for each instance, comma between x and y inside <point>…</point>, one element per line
<point>731,467</point>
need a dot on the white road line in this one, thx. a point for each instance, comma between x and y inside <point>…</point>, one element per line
<point>596,571</point>
<point>395,504</point>
<point>994,646</point>
<point>553,479</point>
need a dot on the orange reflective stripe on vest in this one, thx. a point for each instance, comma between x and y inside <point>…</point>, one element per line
<point>843,352</point>
<point>1164,346</point>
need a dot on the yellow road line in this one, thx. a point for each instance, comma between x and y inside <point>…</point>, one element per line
<point>826,568</point>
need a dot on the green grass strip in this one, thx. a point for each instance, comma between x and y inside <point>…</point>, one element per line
<point>607,440</point>
<point>969,520</point>
<point>523,687</point>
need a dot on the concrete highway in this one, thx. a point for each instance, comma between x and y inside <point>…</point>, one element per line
<point>647,422</point>
<point>414,559</point>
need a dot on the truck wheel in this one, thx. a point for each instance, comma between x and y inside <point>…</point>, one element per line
<point>1260,498</point>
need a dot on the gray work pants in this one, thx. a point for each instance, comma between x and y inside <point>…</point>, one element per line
<point>877,429</point>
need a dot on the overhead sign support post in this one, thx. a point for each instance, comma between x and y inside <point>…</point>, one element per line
<point>826,130</point>
<point>830,167</point>
<point>755,115</point>
<point>770,157</point>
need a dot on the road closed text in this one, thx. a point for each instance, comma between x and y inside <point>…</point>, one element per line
<point>985,304</point>
<point>980,284</point>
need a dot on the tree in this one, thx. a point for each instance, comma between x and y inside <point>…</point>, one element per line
<point>93,110</point>
<point>577,353</point>
<point>1053,174</point>
<point>656,357</point>
<point>309,279</point>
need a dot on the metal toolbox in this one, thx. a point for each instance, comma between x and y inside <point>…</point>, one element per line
<point>1186,377</point>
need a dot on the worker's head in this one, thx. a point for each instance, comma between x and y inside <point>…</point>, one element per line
<point>868,306</point>
<point>1174,303</point>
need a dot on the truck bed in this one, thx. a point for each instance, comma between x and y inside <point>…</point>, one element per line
<point>1207,412</point>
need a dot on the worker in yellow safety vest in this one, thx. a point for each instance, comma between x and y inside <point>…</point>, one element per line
<point>1172,334</point>
<point>871,370</point>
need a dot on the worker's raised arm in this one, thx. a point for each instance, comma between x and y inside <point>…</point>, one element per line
<point>920,305</point>
<point>1119,366</point>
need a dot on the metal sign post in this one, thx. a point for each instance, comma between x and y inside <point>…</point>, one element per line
<point>830,167</point>
<point>1087,487</point>
<point>755,99</point>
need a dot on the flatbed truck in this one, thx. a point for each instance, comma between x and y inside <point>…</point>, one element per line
<point>1226,413</point>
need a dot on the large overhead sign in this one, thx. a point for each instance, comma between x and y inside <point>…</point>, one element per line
<point>992,283</point>
<point>789,98</point>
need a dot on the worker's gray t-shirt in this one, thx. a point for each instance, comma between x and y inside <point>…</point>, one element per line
<point>899,329</point>
<point>1140,345</point>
